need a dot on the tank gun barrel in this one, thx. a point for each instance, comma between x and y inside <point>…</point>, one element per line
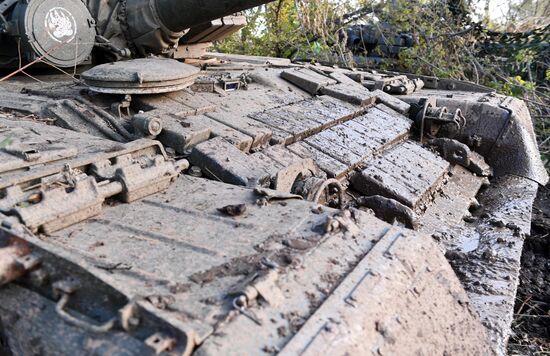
<point>155,26</point>
<point>178,15</point>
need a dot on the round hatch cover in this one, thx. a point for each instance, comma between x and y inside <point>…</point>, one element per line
<point>61,31</point>
<point>140,76</point>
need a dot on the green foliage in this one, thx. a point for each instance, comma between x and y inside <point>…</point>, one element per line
<point>290,29</point>
<point>514,86</point>
<point>273,30</point>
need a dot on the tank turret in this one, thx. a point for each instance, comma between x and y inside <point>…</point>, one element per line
<point>66,32</point>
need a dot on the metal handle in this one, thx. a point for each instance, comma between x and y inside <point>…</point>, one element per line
<point>240,304</point>
<point>60,309</point>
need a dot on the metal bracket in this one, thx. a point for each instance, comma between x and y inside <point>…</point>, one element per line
<point>160,343</point>
<point>63,198</point>
<point>230,84</point>
<point>459,153</point>
<point>430,118</point>
<point>60,310</point>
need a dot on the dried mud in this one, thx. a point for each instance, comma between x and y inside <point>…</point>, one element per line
<point>531,327</point>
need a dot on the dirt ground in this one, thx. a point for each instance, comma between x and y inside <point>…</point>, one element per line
<point>531,326</point>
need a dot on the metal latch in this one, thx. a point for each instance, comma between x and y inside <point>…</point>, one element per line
<point>263,285</point>
<point>52,209</point>
<point>139,178</point>
<point>73,195</point>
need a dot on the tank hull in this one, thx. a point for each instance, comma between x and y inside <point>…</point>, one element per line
<point>282,208</point>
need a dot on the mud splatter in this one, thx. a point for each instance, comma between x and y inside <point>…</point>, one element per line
<point>531,325</point>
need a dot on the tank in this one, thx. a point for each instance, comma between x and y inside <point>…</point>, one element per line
<point>372,41</point>
<point>157,198</point>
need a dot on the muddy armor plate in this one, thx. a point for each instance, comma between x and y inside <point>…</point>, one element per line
<point>267,207</point>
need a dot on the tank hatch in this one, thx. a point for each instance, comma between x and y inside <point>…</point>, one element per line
<point>140,76</point>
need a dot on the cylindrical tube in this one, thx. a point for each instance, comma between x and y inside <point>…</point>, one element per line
<point>178,15</point>
<point>147,125</point>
